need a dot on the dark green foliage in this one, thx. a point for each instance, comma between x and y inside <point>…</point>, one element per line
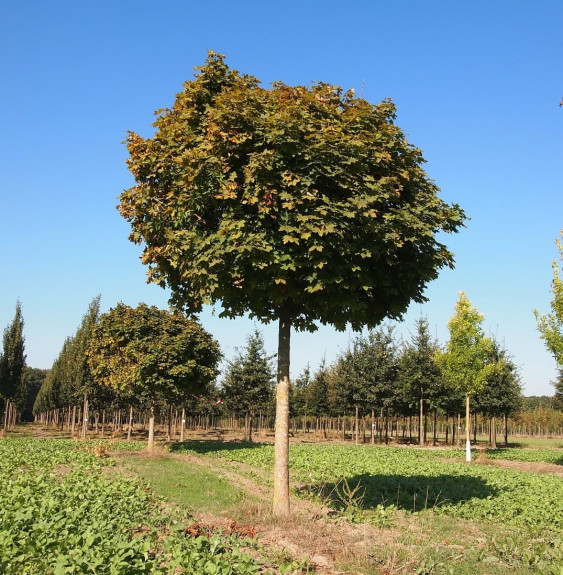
<point>302,199</point>
<point>35,378</point>
<point>299,392</point>
<point>317,394</point>
<point>12,362</point>
<point>501,394</point>
<point>366,374</point>
<point>249,380</point>
<point>419,375</point>
<point>151,353</point>
<point>533,402</point>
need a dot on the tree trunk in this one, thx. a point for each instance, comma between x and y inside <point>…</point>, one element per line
<point>421,430</point>
<point>467,430</point>
<point>130,426</point>
<point>281,438</point>
<point>248,427</point>
<point>150,443</point>
<point>73,420</point>
<point>493,424</point>
<point>169,427</point>
<point>356,427</point>
<point>183,424</point>
<point>505,424</point>
<point>6,409</point>
<point>85,417</point>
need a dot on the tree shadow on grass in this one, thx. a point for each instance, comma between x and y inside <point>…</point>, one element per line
<point>408,493</point>
<point>209,446</point>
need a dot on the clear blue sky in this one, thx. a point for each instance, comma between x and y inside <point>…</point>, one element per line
<point>477,86</point>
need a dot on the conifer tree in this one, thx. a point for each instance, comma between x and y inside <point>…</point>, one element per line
<point>249,381</point>
<point>12,368</point>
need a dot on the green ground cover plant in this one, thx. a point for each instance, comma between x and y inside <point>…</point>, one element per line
<point>62,513</point>
<point>527,455</point>
<point>422,482</point>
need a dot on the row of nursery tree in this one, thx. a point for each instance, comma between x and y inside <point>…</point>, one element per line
<point>143,360</point>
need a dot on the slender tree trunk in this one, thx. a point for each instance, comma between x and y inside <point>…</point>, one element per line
<point>169,427</point>
<point>183,424</point>
<point>6,410</point>
<point>85,417</point>
<point>357,427</point>
<point>281,438</point>
<point>372,427</point>
<point>467,430</point>
<point>505,429</point>
<point>150,443</point>
<point>421,430</point>
<point>435,430</point>
<point>247,427</point>
<point>130,426</point>
<point>73,420</point>
<point>493,432</point>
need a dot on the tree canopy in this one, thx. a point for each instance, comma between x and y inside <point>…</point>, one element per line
<point>303,198</point>
<point>152,352</point>
<point>464,360</point>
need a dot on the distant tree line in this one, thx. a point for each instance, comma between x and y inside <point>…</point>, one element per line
<point>131,364</point>
<point>134,364</point>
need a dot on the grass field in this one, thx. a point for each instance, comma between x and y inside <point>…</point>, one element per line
<point>204,507</point>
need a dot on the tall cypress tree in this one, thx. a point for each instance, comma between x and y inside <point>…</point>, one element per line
<point>12,365</point>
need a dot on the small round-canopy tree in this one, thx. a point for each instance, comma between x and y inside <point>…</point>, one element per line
<point>293,204</point>
<point>152,353</point>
